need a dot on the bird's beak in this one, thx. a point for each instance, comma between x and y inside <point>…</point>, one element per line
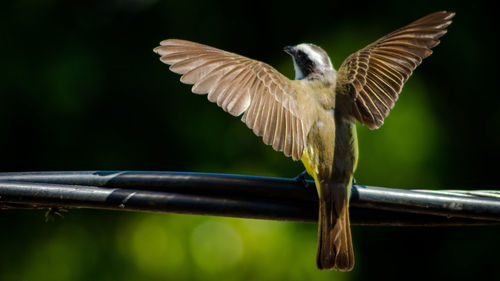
<point>289,50</point>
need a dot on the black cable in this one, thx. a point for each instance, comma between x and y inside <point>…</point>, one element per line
<point>239,196</point>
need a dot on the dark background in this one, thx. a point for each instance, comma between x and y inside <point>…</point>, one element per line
<point>81,89</point>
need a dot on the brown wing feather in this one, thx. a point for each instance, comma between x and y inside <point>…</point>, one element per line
<point>370,80</point>
<point>242,85</point>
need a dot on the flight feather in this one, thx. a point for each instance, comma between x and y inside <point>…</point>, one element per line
<point>241,85</point>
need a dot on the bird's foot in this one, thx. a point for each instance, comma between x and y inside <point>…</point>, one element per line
<point>301,179</point>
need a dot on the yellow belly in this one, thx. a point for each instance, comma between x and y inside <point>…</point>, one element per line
<point>345,158</point>
<point>310,161</point>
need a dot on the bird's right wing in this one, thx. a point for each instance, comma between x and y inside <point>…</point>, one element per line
<point>242,85</point>
<point>370,80</point>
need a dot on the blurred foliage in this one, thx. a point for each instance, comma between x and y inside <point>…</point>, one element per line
<point>81,89</point>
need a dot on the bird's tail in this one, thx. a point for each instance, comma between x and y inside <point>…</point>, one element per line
<point>334,232</point>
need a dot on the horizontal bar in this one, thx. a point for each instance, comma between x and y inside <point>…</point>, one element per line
<point>276,189</point>
<point>42,195</point>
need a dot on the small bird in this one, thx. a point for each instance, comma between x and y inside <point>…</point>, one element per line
<point>313,118</point>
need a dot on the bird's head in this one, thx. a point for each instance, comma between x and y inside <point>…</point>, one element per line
<point>309,60</point>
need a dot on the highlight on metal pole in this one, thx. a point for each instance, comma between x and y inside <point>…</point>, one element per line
<point>241,196</point>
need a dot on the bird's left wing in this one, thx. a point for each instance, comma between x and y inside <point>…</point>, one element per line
<point>242,85</point>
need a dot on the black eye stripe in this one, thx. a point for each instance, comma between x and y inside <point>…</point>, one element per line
<point>305,64</point>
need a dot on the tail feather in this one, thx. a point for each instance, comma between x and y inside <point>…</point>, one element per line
<point>335,249</point>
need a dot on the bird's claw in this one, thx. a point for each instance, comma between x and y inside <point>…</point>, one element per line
<point>301,179</point>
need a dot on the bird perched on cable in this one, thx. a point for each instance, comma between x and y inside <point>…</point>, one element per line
<point>313,118</point>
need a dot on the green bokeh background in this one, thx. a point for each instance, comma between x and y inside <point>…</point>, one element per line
<point>81,89</point>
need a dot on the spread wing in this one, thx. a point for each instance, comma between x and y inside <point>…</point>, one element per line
<point>370,80</point>
<point>242,85</point>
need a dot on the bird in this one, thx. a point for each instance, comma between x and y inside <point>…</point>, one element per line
<point>313,117</point>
